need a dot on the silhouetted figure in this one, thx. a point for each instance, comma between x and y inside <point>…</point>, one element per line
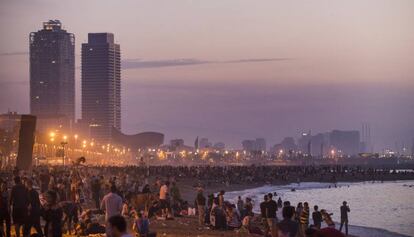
<point>344,217</point>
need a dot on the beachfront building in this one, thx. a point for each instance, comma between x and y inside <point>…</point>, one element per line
<point>101,86</point>
<point>52,72</point>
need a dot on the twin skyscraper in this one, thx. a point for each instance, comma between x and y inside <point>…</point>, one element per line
<point>52,81</point>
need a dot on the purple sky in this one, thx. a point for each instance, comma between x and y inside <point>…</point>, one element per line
<point>236,69</point>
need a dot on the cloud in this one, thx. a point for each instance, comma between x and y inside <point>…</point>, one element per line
<point>140,64</point>
<point>13,53</point>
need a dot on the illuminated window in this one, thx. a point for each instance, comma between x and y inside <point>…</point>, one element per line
<point>53,61</point>
<point>37,97</point>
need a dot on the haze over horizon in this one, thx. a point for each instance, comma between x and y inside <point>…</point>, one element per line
<point>234,70</point>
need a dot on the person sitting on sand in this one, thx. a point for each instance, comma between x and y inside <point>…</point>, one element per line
<point>219,220</point>
<point>141,225</point>
<point>233,218</point>
<point>118,226</point>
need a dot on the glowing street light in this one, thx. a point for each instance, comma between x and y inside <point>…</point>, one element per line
<point>65,137</point>
<point>52,134</point>
<point>76,136</point>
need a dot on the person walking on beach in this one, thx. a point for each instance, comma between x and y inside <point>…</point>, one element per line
<point>317,217</point>
<point>201,207</point>
<point>344,217</point>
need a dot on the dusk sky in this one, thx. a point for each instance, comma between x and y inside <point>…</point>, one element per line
<point>236,69</point>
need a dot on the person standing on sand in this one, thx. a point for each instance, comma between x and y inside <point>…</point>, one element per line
<point>33,219</point>
<point>240,204</point>
<point>317,217</point>
<point>288,227</point>
<point>221,198</point>
<point>112,204</point>
<point>201,207</point>
<point>344,217</point>
<point>263,212</point>
<point>4,210</point>
<point>19,200</point>
<point>271,209</point>
<point>327,218</point>
<point>299,209</point>
<point>164,193</point>
<point>304,218</point>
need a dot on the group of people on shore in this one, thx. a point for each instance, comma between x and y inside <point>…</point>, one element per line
<point>295,222</point>
<point>93,200</point>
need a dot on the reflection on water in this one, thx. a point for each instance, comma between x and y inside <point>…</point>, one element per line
<point>388,205</point>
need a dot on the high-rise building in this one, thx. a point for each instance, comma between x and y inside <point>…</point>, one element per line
<point>101,85</point>
<point>52,72</point>
<point>345,142</point>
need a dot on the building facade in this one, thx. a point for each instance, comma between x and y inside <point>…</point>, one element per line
<point>101,86</point>
<point>52,71</point>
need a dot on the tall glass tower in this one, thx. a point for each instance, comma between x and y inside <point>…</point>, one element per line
<point>101,85</point>
<point>52,71</point>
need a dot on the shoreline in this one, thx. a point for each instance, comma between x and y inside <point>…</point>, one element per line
<point>355,230</point>
<point>188,187</point>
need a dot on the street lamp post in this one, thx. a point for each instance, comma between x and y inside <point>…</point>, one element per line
<point>63,152</point>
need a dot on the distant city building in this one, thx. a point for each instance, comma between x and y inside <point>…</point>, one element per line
<point>304,143</point>
<point>248,145</point>
<point>101,85</point>
<point>259,144</point>
<point>138,141</point>
<point>287,145</point>
<point>177,143</point>
<point>345,142</point>
<point>52,72</point>
<point>204,143</point>
<point>219,146</point>
<point>412,149</point>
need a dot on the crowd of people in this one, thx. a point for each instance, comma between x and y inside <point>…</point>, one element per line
<point>51,201</point>
<point>295,222</point>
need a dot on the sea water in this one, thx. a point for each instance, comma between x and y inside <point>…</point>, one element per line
<point>388,206</point>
